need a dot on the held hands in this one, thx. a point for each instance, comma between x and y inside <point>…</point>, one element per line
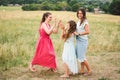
<point>59,24</point>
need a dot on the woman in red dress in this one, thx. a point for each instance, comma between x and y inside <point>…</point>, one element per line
<point>45,55</point>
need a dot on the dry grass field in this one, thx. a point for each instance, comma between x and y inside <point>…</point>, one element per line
<point>19,33</point>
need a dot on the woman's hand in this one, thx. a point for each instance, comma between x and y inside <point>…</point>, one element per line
<point>87,30</point>
<point>55,30</point>
<point>59,22</point>
<point>61,25</point>
<point>76,33</point>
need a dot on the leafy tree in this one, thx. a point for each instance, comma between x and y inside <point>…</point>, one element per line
<point>4,2</point>
<point>90,8</point>
<point>71,3</point>
<point>115,7</point>
<point>61,5</point>
<point>45,6</point>
<point>76,6</point>
<point>105,7</point>
<point>29,7</point>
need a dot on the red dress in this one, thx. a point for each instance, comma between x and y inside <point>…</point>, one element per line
<point>44,55</point>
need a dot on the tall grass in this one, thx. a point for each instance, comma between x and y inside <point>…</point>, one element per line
<point>105,30</point>
<point>19,33</point>
<point>9,8</point>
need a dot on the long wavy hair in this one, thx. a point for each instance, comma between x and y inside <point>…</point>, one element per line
<point>84,15</point>
<point>45,15</point>
<point>71,30</point>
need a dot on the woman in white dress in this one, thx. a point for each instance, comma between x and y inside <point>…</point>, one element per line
<point>69,56</point>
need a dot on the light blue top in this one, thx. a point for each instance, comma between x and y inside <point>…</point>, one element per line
<point>81,28</point>
<point>70,39</point>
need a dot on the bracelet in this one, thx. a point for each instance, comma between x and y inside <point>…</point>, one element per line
<point>79,34</point>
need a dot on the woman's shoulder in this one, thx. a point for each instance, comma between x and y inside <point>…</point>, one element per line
<point>43,24</point>
<point>85,21</point>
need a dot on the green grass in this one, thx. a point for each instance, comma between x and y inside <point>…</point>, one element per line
<point>19,34</point>
<point>103,78</point>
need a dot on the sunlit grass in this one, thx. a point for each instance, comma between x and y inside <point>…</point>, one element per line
<point>8,8</point>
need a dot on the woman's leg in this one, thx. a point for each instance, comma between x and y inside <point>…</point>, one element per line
<point>82,68</point>
<point>66,74</point>
<point>66,69</point>
<point>87,66</point>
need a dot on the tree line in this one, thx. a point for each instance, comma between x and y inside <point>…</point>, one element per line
<point>108,6</point>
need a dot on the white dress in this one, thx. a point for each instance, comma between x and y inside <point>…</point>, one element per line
<point>69,56</point>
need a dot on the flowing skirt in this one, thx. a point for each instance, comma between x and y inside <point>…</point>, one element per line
<point>69,57</point>
<point>44,55</point>
<point>81,47</point>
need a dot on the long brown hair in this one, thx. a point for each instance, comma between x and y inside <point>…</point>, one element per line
<point>72,29</point>
<point>84,15</point>
<point>44,16</point>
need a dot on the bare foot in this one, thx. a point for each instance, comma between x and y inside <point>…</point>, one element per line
<point>64,76</point>
<point>72,74</point>
<point>32,68</point>
<point>53,70</point>
<point>88,73</point>
<point>82,72</point>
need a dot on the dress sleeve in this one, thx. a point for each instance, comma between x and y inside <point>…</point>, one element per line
<point>86,23</point>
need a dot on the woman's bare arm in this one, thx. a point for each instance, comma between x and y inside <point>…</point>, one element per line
<point>48,31</point>
<point>76,33</point>
<point>87,30</point>
<point>55,30</point>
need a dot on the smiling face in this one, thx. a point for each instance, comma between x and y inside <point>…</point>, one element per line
<point>49,18</point>
<point>46,17</point>
<point>80,14</point>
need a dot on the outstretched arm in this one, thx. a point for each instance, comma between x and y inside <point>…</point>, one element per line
<point>63,34</point>
<point>48,31</point>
